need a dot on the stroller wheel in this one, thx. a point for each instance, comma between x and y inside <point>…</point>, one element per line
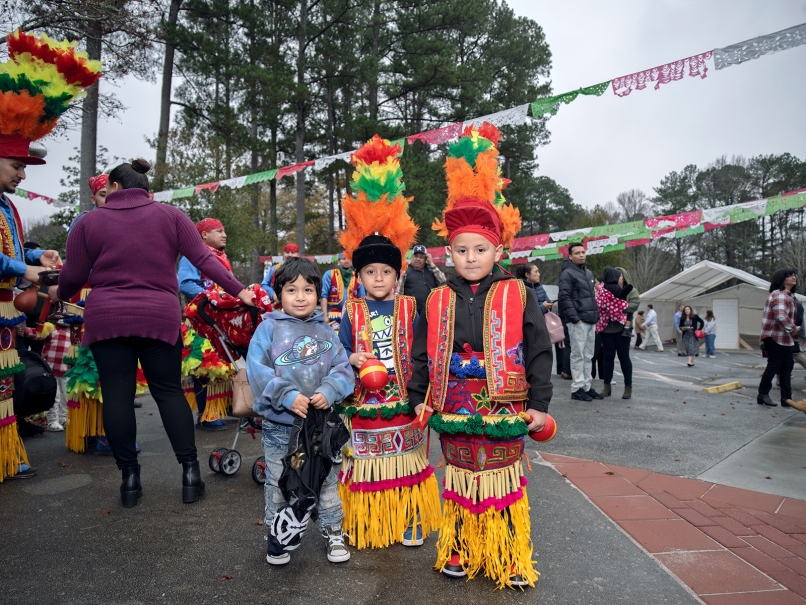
<point>230,462</point>
<point>215,459</point>
<point>259,471</point>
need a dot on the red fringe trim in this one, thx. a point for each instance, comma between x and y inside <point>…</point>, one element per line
<point>379,486</point>
<point>8,420</point>
<point>479,507</point>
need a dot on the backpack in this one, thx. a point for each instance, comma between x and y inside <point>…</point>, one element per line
<point>35,387</point>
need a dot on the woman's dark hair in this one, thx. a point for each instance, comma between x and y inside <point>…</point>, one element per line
<point>687,316</point>
<point>291,269</point>
<point>131,176</point>
<point>779,278</point>
<point>709,315</point>
<point>521,271</point>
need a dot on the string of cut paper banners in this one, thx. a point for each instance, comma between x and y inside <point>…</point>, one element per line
<point>605,238</point>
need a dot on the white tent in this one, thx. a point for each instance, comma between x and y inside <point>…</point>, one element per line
<point>737,308</point>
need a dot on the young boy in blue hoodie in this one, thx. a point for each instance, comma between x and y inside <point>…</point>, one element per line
<point>295,361</point>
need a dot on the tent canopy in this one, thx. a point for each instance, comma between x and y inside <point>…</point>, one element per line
<point>698,279</point>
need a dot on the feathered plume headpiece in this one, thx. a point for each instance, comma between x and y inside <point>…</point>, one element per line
<point>379,228</point>
<point>475,202</point>
<point>37,84</point>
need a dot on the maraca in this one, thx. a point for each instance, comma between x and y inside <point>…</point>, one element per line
<point>373,375</point>
<point>548,431</point>
<point>26,300</point>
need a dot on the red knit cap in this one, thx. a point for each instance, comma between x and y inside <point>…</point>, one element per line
<point>291,248</point>
<point>470,215</point>
<point>98,182</point>
<point>208,224</point>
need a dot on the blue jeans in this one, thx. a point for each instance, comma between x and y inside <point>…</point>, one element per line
<point>709,344</point>
<point>275,445</point>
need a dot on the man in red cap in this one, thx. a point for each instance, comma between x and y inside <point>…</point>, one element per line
<point>98,199</point>
<point>290,251</point>
<point>191,283</point>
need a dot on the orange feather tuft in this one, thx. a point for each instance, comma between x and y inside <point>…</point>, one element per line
<point>21,114</point>
<point>510,223</point>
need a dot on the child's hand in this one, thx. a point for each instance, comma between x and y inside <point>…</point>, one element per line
<point>538,420</point>
<point>359,359</point>
<point>319,401</point>
<point>419,408</point>
<point>300,406</point>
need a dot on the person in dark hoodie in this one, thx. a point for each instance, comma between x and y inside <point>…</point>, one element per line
<point>295,361</point>
<point>616,304</point>
<point>577,305</point>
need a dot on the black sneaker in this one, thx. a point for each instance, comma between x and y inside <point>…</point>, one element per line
<point>581,395</point>
<point>593,394</point>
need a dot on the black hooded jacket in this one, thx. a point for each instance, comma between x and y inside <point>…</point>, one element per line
<point>469,328</point>
<point>577,301</point>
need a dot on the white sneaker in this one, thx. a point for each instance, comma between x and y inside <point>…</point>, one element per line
<point>279,559</point>
<point>55,427</point>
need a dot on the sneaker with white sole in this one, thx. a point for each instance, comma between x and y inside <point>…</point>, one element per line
<point>409,538</point>
<point>275,555</point>
<point>55,427</point>
<point>336,548</point>
<point>281,559</point>
<point>453,567</point>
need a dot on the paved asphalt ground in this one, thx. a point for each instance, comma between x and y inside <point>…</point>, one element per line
<point>67,540</point>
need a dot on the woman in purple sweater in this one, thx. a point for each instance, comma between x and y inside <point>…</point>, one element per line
<point>127,250</point>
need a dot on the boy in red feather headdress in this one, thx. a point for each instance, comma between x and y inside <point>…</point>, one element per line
<point>482,360</point>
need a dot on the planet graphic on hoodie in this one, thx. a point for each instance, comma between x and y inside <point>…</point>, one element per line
<point>305,350</point>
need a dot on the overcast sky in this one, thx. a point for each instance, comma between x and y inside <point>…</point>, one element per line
<point>600,146</point>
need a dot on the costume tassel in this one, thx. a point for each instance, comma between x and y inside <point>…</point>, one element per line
<point>495,542</point>
<point>84,419</point>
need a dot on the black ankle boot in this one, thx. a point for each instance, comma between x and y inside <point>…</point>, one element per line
<point>130,489</point>
<point>192,484</point>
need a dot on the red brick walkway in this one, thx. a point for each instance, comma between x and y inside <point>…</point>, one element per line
<point>730,546</point>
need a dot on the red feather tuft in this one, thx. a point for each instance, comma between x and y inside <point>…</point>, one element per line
<point>491,133</point>
<point>376,150</point>
<point>72,67</point>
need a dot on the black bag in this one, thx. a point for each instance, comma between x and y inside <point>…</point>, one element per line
<point>35,387</point>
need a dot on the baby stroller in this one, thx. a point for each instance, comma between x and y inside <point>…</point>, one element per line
<point>229,326</point>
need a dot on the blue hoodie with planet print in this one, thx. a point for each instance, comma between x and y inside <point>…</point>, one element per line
<point>289,356</point>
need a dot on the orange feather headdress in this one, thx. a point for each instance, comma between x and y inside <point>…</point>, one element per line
<point>475,202</point>
<point>37,85</point>
<point>379,208</point>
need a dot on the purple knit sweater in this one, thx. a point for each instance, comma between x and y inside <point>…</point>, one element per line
<point>127,250</point>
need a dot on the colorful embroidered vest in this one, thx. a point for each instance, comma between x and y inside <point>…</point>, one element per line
<point>403,320</point>
<point>336,296</point>
<point>503,341</point>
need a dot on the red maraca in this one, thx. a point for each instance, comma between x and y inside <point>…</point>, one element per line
<point>26,301</point>
<point>373,375</point>
<point>547,433</point>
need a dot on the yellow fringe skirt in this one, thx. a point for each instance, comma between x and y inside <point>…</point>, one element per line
<point>382,497</point>
<point>12,449</point>
<point>84,419</point>
<point>219,398</point>
<point>485,520</point>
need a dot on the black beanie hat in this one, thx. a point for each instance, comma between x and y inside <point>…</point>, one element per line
<point>377,249</point>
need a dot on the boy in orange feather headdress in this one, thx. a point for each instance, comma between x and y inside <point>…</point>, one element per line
<point>482,360</point>
<point>387,487</point>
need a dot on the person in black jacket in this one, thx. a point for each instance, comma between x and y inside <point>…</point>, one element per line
<point>577,304</point>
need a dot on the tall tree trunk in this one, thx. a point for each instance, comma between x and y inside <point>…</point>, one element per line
<point>331,212</point>
<point>165,96</point>
<point>300,142</point>
<point>374,68</point>
<point>273,235</point>
<point>89,122</point>
<point>257,273</point>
